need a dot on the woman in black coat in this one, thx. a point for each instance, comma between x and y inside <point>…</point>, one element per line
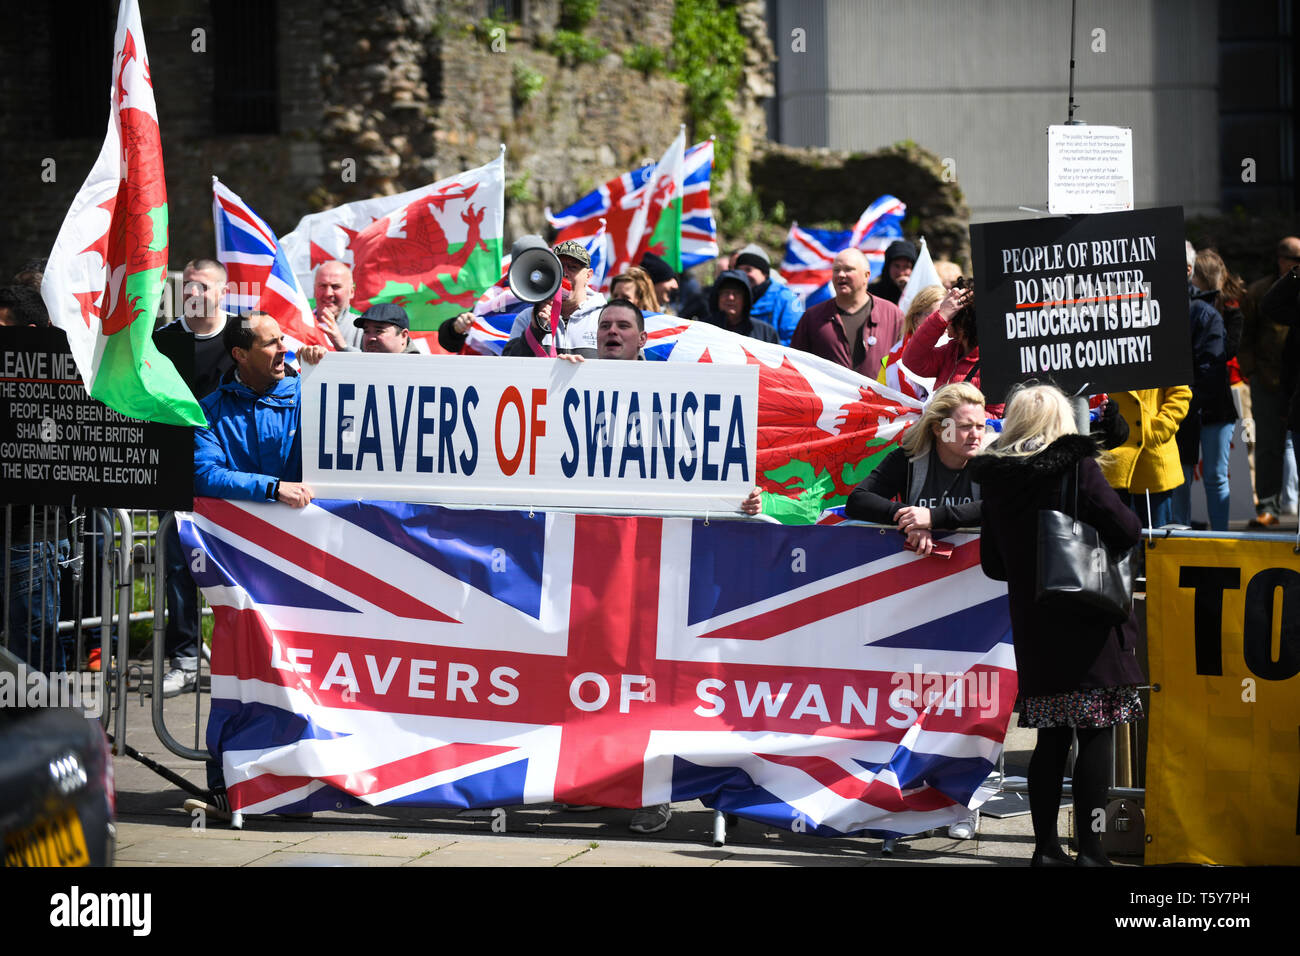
<point>1077,676</point>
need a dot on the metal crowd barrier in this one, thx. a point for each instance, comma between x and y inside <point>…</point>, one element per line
<point>58,586</point>
<point>159,569</point>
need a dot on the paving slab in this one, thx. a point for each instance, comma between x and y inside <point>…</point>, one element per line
<point>503,850</point>
<point>180,847</point>
<point>635,853</point>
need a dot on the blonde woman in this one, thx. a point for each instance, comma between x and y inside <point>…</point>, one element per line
<point>924,486</point>
<point>635,286</point>
<point>1077,676</point>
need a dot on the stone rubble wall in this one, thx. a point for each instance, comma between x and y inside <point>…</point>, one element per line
<point>381,96</point>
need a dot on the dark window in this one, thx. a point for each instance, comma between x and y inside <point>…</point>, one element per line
<point>81,48</point>
<point>1258,85</point>
<point>246,75</point>
<point>506,11</point>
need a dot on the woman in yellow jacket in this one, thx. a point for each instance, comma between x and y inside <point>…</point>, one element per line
<point>1147,464</point>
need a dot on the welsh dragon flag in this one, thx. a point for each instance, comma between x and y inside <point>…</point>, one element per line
<point>658,219</point>
<point>432,250</point>
<point>105,274</point>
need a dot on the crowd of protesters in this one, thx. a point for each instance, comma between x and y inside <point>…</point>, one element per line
<point>1246,357</point>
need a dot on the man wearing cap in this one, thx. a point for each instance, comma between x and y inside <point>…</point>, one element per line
<point>385,328</point>
<point>774,303</point>
<point>680,296</point>
<point>662,275</point>
<point>899,259</point>
<point>576,327</point>
<point>855,329</point>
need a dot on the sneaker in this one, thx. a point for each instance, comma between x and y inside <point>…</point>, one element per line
<point>650,819</point>
<point>965,829</point>
<point>92,660</point>
<point>177,681</point>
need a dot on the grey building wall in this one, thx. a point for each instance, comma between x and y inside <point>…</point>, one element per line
<point>979,82</point>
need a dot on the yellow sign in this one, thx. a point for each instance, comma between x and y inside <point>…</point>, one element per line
<point>1223,767</point>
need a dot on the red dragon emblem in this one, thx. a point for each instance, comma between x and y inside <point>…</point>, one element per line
<point>421,256</point>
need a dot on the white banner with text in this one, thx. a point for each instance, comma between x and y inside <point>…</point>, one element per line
<point>532,433</point>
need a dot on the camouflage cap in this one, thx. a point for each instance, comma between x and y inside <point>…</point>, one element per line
<point>573,249</point>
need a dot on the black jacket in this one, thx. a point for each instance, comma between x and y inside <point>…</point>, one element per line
<point>1211,397</point>
<point>1055,653</point>
<point>1281,306</point>
<point>874,499</point>
<point>754,328</point>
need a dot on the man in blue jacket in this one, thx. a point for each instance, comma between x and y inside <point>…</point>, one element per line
<point>251,449</point>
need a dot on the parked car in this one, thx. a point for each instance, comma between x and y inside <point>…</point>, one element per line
<point>57,803</point>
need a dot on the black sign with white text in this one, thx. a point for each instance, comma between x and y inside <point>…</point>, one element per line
<point>57,442</point>
<point>1097,303</point>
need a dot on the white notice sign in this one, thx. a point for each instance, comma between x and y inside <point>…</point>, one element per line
<point>1089,169</point>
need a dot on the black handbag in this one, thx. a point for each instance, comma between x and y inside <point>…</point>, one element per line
<point>1076,571</point>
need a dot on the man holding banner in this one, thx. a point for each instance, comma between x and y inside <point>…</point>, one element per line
<point>251,448</point>
<point>620,335</point>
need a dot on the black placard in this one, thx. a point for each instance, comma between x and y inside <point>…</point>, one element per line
<point>1097,303</point>
<point>56,441</point>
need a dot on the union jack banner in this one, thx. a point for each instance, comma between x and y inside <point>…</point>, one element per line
<point>616,203</point>
<point>809,253</point>
<point>258,270</point>
<point>816,678</point>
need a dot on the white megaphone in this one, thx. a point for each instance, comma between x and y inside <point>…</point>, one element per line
<point>535,271</point>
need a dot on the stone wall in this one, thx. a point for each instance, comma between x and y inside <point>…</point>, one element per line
<point>823,188</point>
<point>375,98</point>
<point>382,96</point>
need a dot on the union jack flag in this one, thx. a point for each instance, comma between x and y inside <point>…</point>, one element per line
<point>610,208</point>
<point>809,253</point>
<point>813,678</point>
<point>258,270</point>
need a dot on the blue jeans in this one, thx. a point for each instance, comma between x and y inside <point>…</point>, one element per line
<point>182,635</point>
<point>1162,507</point>
<point>32,603</point>
<point>1181,505</point>
<point>1216,444</point>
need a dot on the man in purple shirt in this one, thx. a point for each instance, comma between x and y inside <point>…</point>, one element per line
<point>855,329</point>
